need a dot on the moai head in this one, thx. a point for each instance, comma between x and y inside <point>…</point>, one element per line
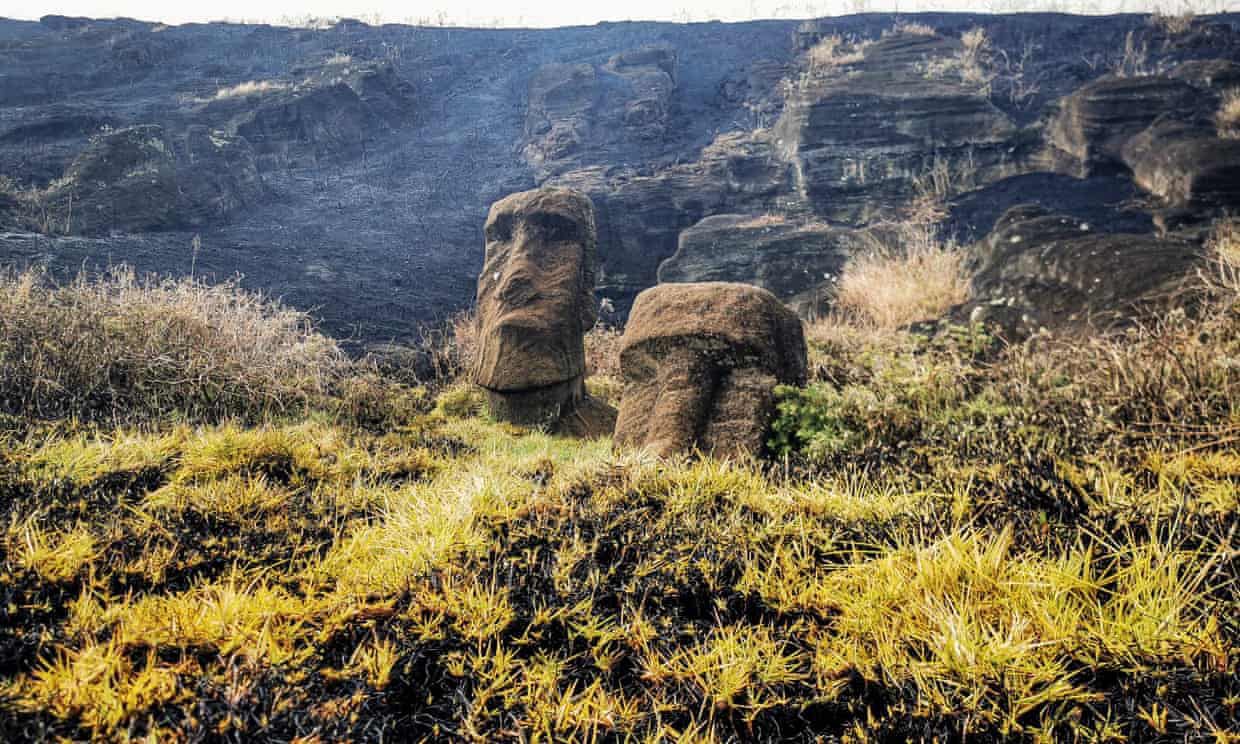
<point>700,363</point>
<point>536,295</point>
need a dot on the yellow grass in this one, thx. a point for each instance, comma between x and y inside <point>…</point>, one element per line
<point>887,288</point>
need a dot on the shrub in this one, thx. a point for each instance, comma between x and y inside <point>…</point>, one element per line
<point>603,351</point>
<point>834,51</point>
<point>1173,24</point>
<point>892,287</point>
<point>461,400</point>
<point>973,55</point>
<point>1171,379</point>
<point>1134,61</point>
<point>450,349</point>
<point>119,347</point>
<point>374,401</point>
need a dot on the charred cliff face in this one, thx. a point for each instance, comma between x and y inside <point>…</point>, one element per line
<point>350,169</point>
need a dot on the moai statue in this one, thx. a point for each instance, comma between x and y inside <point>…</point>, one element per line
<point>535,304</point>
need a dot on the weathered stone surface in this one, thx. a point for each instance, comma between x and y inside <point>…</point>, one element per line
<point>219,176</point>
<point>860,134</point>
<point>640,217</point>
<point>535,303</point>
<point>321,121</point>
<point>581,114</point>
<point>124,180</point>
<point>1094,123</point>
<point>1061,274</point>
<point>1187,165</point>
<point>700,363</point>
<point>789,258</point>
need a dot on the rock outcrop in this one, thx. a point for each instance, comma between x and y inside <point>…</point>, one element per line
<point>787,257</point>
<point>321,121</point>
<point>535,303</point>
<point>1057,272</point>
<point>380,149</point>
<point>640,217</point>
<point>580,114</point>
<point>124,180</point>
<point>1186,165</point>
<point>223,176</point>
<point>1094,123</point>
<point>700,363</point>
<point>862,131</point>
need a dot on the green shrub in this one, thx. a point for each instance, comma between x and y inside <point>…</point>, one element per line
<point>462,400</point>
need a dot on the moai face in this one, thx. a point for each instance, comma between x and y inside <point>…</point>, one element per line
<point>700,363</point>
<point>535,292</point>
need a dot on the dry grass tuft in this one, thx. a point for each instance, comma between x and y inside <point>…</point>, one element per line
<point>834,51</point>
<point>890,288</point>
<point>908,274</point>
<point>911,28</point>
<point>119,347</point>
<point>1173,24</point>
<point>250,88</point>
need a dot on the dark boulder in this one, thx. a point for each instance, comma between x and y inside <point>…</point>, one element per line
<point>1093,124</point>
<point>789,258</point>
<point>700,363</point>
<point>1058,272</point>
<point>218,176</point>
<point>1186,165</point>
<point>125,180</point>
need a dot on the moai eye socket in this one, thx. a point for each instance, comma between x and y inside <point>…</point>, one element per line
<point>554,228</point>
<point>499,230</point>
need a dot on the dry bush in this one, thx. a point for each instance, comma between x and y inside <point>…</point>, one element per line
<point>834,51</point>
<point>974,56</point>
<point>1134,61</point>
<point>1015,75</point>
<point>1223,249</point>
<point>449,349</point>
<point>972,64</point>
<point>913,28</point>
<point>907,273</point>
<point>1174,24</point>
<point>603,351</point>
<point>1229,114</point>
<point>889,288</point>
<point>119,347</point>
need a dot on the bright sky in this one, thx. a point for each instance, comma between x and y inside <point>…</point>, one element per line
<point>558,12</point>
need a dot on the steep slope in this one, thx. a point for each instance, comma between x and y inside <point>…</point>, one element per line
<point>349,169</point>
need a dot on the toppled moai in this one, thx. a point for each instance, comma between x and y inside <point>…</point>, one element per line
<point>535,304</point>
<point>700,363</point>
